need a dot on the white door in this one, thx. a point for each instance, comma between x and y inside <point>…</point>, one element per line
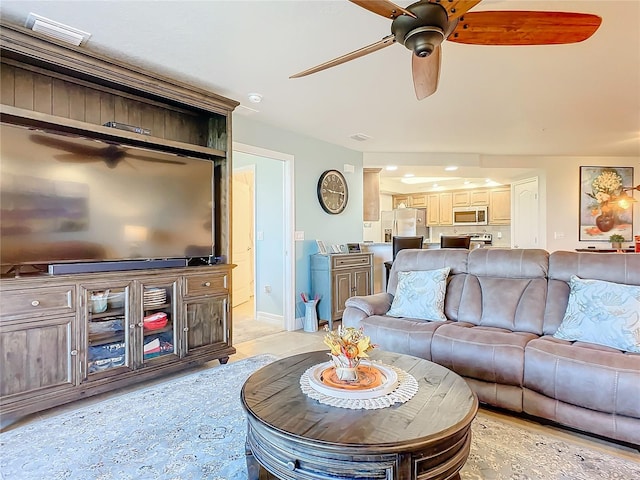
<point>242,235</point>
<point>525,221</point>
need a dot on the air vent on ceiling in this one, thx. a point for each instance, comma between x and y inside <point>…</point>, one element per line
<point>360,137</point>
<point>56,30</point>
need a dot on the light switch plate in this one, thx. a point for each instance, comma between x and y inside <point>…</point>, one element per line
<point>298,235</point>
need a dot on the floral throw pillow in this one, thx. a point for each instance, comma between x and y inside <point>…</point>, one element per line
<point>420,294</point>
<point>602,312</point>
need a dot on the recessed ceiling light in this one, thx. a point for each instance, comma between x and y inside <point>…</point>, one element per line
<point>435,185</point>
<point>487,180</point>
<point>391,168</point>
<point>451,168</point>
<point>467,182</point>
<point>409,175</point>
<point>255,97</point>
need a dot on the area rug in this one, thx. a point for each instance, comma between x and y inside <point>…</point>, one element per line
<point>192,427</point>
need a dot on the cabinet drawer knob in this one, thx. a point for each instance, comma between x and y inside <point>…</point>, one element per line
<point>292,465</point>
<point>206,284</point>
<point>74,352</point>
<point>141,324</point>
<point>35,303</point>
<point>185,329</point>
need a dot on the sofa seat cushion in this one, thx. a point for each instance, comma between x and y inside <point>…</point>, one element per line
<point>401,335</point>
<point>584,374</point>
<point>484,353</point>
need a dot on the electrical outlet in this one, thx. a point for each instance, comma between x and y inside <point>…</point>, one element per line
<point>499,234</point>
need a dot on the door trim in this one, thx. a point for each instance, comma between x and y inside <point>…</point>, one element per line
<point>289,222</point>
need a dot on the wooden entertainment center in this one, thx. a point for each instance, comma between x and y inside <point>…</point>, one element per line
<point>66,337</point>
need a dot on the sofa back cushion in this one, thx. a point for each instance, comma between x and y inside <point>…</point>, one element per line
<point>421,260</point>
<point>610,267</point>
<point>506,289</point>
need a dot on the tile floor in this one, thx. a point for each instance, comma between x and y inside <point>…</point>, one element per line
<point>282,344</point>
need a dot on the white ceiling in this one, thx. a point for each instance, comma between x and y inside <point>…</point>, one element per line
<point>579,100</point>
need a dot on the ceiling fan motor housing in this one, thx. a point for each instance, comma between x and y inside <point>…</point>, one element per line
<point>424,33</point>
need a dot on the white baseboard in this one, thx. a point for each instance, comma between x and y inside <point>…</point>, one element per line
<point>270,318</point>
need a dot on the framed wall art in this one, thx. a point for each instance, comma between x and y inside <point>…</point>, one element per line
<point>600,214</point>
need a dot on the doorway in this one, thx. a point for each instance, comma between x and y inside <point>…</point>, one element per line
<point>242,248</point>
<point>263,219</point>
<point>525,220</point>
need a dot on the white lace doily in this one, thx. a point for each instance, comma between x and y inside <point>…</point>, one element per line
<point>406,389</point>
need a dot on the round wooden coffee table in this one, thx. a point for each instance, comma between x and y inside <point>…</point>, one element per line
<point>295,437</point>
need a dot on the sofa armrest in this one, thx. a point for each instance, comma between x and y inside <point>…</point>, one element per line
<point>377,304</point>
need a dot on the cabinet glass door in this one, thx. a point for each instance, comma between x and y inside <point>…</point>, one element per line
<point>106,329</point>
<point>158,325</point>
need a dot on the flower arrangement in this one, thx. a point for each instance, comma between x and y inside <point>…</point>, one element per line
<point>348,346</point>
<point>605,188</point>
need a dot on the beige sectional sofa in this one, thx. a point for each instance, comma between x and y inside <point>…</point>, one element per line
<point>502,308</point>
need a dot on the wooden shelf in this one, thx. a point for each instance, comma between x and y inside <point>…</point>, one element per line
<point>96,339</point>
<point>113,312</point>
<point>29,118</point>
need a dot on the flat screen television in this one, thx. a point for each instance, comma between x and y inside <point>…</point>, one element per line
<point>70,198</point>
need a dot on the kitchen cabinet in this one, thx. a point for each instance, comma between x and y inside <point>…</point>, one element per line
<point>419,200</point>
<point>433,209</point>
<point>500,206</point>
<point>479,198</point>
<point>401,200</point>
<point>470,198</point>
<point>337,277</point>
<point>460,199</point>
<point>371,194</point>
<point>446,209</point>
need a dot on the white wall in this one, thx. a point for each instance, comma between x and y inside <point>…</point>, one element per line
<point>559,193</point>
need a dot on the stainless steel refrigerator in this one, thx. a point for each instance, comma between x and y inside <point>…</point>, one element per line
<point>404,222</point>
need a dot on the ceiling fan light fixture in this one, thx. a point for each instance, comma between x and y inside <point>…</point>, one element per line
<point>423,40</point>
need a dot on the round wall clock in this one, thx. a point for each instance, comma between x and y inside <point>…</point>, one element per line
<point>333,192</point>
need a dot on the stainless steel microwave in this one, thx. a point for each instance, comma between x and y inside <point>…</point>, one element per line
<point>470,216</point>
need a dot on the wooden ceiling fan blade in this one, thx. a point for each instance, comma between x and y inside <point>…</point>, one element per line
<point>426,73</point>
<point>383,7</point>
<point>456,8</point>
<point>524,28</point>
<point>374,47</point>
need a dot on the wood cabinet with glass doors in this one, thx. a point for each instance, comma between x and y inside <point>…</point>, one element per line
<point>69,337</point>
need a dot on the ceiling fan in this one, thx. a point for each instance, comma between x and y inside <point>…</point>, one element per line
<point>111,155</point>
<point>424,25</point>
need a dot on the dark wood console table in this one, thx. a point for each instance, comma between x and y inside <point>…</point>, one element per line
<point>293,437</point>
<point>606,250</point>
